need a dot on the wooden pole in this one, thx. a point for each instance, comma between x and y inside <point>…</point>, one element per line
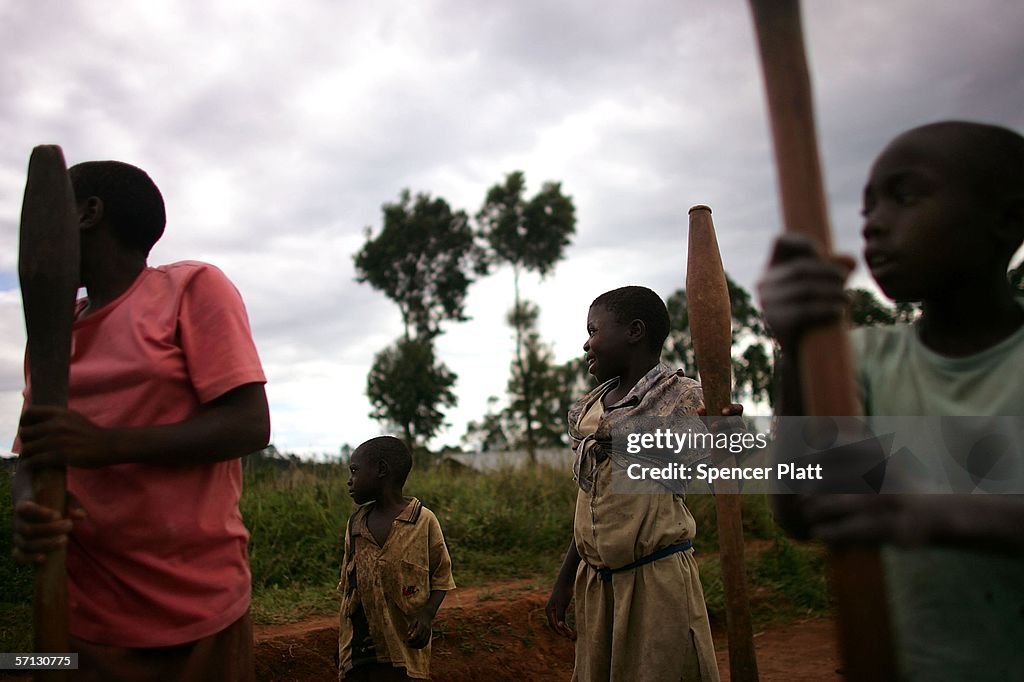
<point>48,265</point>
<point>707,300</point>
<point>825,365</point>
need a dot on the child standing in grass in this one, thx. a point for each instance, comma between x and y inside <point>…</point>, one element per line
<point>639,604</point>
<point>395,571</point>
<point>943,216</point>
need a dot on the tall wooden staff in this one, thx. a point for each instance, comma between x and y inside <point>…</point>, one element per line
<point>707,300</point>
<point>824,352</point>
<point>48,269</point>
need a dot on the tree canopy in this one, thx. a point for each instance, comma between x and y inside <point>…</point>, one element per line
<point>406,385</point>
<point>422,260</point>
<point>753,352</point>
<point>528,234</point>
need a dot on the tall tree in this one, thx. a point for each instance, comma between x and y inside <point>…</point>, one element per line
<point>535,387</point>
<point>491,432</point>
<point>752,363</point>
<point>422,260</point>
<point>528,235</point>
<point>754,371</point>
<point>406,384</point>
<point>678,348</point>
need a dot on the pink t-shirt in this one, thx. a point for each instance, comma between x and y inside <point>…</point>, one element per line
<point>162,558</point>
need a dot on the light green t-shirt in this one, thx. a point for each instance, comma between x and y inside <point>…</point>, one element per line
<point>958,614</point>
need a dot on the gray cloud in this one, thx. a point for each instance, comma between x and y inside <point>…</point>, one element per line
<point>276,135</point>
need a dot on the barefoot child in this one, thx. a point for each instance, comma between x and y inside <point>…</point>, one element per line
<point>395,571</point>
<point>943,216</point>
<point>645,618</point>
<point>165,394</point>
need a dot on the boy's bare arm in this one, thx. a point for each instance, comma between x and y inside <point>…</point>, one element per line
<point>419,632</point>
<point>235,424</point>
<point>990,522</point>
<point>561,593</point>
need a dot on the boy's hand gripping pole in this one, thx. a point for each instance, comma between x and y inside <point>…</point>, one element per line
<point>710,311</point>
<point>48,262</point>
<point>825,367</point>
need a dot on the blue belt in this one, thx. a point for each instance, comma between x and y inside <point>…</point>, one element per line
<point>606,573</point>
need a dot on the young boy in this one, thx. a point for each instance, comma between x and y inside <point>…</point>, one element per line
<point>395,572</point>
<point>640,608</point>
<point>944,214</point>
<point>165,394</point>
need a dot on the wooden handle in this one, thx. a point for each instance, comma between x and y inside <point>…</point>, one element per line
<point>48,269</point>
<point>825,357</point>
<point>707,300</point>
<point>825,366</point>
<point>710,311</point>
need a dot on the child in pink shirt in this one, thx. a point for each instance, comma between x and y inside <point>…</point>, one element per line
<point>165,394</point>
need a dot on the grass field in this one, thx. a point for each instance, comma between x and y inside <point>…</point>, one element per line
<point>498,526</point>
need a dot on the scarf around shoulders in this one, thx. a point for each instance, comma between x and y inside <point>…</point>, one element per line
<point>661,394</point>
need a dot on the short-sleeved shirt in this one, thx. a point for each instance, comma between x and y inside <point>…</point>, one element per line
<point>392,582</point>
<point>958,614</point>
<point>162,558</point>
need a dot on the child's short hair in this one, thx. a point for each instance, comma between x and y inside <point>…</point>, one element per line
<point>393,451</point>
<point>992,154</point>
<point>638,303</point>
<point>132,203</point>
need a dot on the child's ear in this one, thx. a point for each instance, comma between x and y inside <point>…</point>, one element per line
<point>383,469</point>
<point>90,213</point>
<point>637,331</point>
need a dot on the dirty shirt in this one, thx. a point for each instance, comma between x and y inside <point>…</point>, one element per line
<point>382,587</point>
<point>649,623</point>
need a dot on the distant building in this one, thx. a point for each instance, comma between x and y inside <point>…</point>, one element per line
<point>556,458</point>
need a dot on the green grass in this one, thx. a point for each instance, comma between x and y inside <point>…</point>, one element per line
<point>293,604</point>
<point>498,526</point>
<point>503,525</point>
<point>785,581</point>
<point>15,581</point>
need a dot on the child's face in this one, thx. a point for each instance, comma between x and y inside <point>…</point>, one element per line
<point>363,481</point>
<point>921,237</point>
<point>607,346</point>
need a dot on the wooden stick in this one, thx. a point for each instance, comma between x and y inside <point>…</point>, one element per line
<point>48,269</point>
<point>707,300</point>
<point>825,365</point>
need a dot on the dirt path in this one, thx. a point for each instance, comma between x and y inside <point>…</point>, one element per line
<point>498,632</point>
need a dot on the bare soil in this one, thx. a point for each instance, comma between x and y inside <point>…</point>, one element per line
<point>499,632</point>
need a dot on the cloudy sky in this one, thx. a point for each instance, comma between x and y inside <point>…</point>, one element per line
<point>276,131</point>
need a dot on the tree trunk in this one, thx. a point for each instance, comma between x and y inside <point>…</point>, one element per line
<point>531,449</point>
